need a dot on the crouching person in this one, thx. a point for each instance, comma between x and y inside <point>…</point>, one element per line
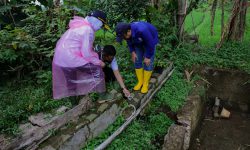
<point>111,70</point>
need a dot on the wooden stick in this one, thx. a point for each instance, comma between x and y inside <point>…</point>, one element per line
<point>131,118</point>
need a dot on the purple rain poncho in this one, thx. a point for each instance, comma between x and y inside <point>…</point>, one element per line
<point>76,67</point>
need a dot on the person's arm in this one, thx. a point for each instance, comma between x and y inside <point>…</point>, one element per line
<point>118,77</point>
<point>120,81</point>
<point>130,46</point>
<point>86,48</point>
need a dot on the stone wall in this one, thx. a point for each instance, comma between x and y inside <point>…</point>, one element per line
<point>180,135</point>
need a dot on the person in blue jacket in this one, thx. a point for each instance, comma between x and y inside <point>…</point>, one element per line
<point>142,38</point>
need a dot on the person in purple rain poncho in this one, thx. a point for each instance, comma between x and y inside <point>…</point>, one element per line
<point>76,68</point>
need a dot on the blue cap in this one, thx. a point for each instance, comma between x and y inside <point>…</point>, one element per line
<point>121,29</point>
<point>99,15</point>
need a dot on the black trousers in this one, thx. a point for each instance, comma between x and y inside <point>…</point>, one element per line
<point>109,74</point>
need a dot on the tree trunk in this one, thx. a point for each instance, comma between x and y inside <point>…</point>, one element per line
<point>155,3</point>
<point>213,10</point>
<point>229,31</point>
<point>242,19</point>
<point>182,10</point>
<point>222,16</point>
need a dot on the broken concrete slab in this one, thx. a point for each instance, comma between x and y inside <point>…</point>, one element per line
<point>91,117</point>
<point>102,107</point>
<point>27,128</point>
<point>42,133</point>
<point>104,120</point>
<point>153,80</point>
<point>48,148</point>
<point>62,110</point>
<point>175,138</point>
<point>41,119</point>
<point>77,141</point>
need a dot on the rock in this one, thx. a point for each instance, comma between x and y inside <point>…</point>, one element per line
<point>118,96</point>
<point>80,125</point>
<point>77,141</point>
<point>62,109</point>
<point>42,133</point>
<point>27,128</point>
<point>40,119</point>
<point>243,107</point>
<point>136,100</point>
<point>65,137</point>
<point>153,80</point>
<point>91,117</point>
<point>3,140</point>
<point>140,95</point>
<point>155,75</point>
<point>48,148</point>
<point>104,120</point>
<point>113,92</point>
<point>174,139</point>
<point>102,107</point>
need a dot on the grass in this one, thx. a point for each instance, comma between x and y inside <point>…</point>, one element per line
<point>19,101</point>
<point>201,26</point>
<point>142,133</point>
<point>145,132</point>
<point>231,55</point>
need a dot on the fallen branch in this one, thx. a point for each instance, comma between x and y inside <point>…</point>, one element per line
<point>206,81</point>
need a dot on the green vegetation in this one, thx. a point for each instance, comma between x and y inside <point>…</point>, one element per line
<point>231,55</point>
<point>26,60</point>
<point>145,132</point>
<point>19,101</point>
<point>202,21</point>
<point>26,52</point>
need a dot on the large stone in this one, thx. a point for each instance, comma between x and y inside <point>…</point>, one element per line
<point>102,107</point>
<point>104,120</point>
<point>137,100</point>
<point>77,141</point>
<point>40,119</point>
<point>164,74</point>
<point>27,128</point>
<point>81,124</point>
<point>175,138</point>
<point>243,107</point>
<point>62,110</point>
<point>113,92</point>
<point>3,141</point>
<point>155,75</point>
<point>118,96</point>
<point>153,80</point>
<point>91,117</point>
<point>42,133</point>
<point>48,148</point>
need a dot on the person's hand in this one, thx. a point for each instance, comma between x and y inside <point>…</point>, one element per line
<point>102,64</point>
<point>147,61</point>
<point>134,56</point>
<point>126,92</point>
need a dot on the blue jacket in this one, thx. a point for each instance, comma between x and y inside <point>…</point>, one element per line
<point>143,34</point>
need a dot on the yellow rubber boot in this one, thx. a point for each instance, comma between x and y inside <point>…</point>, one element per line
<point>139,74</point>
<point>147,75</point>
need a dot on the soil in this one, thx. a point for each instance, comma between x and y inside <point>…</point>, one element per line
<point>224,134</point>
<point>233,88</point>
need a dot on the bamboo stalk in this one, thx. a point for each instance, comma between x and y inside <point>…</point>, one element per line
<point>131,118</point>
